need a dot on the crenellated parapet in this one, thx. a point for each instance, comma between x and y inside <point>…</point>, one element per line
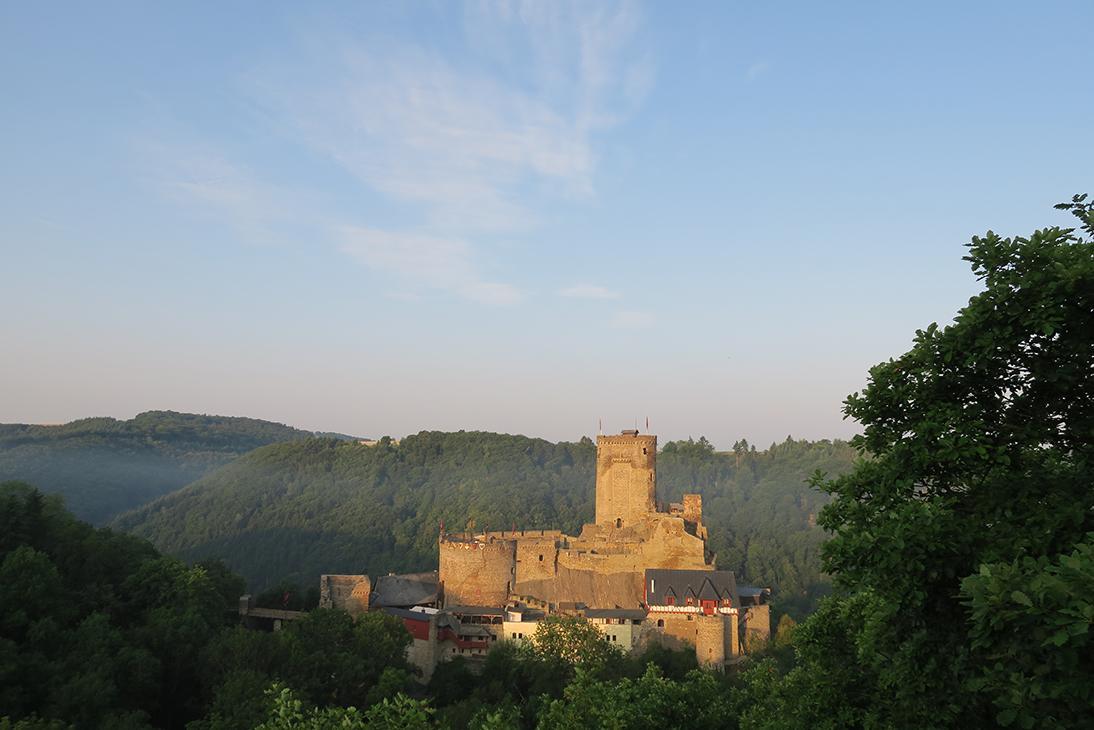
<point>479,571</point>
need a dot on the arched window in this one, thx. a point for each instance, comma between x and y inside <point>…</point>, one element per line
<point>618,521</point>
<point>660,623</point>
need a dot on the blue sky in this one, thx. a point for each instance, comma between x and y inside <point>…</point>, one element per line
<point>379,218</point>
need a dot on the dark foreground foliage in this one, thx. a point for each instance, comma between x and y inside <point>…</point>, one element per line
<point>99,630</point>
<point>964,549</point>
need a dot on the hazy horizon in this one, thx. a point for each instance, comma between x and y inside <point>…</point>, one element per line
<point>513,217</point>
<point>639,423</point>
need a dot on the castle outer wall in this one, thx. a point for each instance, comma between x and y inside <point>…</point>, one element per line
<point>348,592</point>
<point>477,572</point>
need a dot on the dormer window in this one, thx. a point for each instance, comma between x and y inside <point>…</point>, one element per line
<point>726,602</point>
<point>670,600</point>
<point>691,601</point>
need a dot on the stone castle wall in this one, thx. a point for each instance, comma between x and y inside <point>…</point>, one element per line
<point>712,637</point>
<point>424,653</point>
<point>693,507</point>
<point>348,592</point>
<point>605,567</point>
<point>591,587</point>
<point>733,642</point>
<point>657,541</point>
<point>520,534</point>
<point>757,627</point>
<point>602,568</point>
<point>537,559</point>
<point>477,572</point>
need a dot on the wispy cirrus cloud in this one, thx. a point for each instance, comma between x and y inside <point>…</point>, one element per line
<point>201,177</point>
<point>468,141</point>
<point>588,291</point>
<point>471,146</point>
<point>422,260</point>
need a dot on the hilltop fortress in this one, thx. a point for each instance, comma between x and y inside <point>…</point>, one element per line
<point>604,566</point>
<point>640,573</point>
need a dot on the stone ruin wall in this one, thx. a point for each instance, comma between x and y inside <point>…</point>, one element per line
<point>593,588</point>
<point>606,566</point>
<point>757,627</point>
<point>693,507</point>
<point>660,541</point>
<point>348,592</point>
<point>537,559</point>
<point>477,572</point>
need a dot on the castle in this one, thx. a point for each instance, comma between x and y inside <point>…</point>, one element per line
<point>603,567</point>
<point>639,573</point>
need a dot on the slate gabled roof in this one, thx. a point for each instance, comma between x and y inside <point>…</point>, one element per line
<point>708,593</point>
<point>706,584</point>
<point>753,595</point>
<point>403,591</point>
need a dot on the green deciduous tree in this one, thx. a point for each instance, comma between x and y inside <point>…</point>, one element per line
<point>574,641</point>
<point>398,713</point>
<point>333,660</point>
<point>649,701</point>
<point>1031,636</point>
<point>981,438</point>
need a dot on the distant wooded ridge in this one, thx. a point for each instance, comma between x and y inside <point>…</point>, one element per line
<point>104,466</point>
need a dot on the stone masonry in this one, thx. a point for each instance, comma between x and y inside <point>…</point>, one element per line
<point>348,592</point>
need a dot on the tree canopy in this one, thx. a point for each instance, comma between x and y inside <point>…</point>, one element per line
<point>962,546</point>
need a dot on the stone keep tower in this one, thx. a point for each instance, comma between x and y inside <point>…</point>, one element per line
<point>626,484</point>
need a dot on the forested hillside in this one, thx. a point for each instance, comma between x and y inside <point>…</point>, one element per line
<point>295,510</point>
<point>103,466</point>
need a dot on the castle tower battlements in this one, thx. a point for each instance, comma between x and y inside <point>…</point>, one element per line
<point>626,479</point>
